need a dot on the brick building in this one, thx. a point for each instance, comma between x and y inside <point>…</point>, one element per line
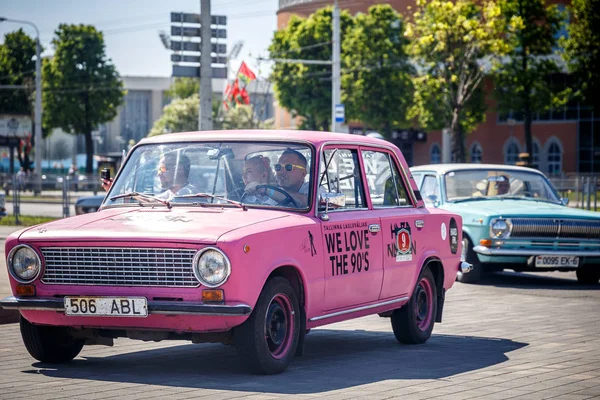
<point>564,141</point>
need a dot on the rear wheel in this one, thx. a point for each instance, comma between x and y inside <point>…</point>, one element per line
<point>51,344</point>
<point>266,342</point>
<point>588,275</point>
<point>468,255</point>
<point>413,323</point>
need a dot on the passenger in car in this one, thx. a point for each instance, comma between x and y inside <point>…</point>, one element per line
<point>257,171</point>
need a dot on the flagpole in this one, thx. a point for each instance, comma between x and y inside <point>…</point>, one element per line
<point>224,94</point>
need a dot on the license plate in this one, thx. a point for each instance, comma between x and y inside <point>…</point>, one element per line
<point>556,261</point>
<point>107,306</point>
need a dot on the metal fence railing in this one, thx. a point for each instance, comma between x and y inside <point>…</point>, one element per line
<point>581,190</point>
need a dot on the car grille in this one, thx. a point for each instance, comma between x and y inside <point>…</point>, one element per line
<point>555,228</point>
<point>119,266</point>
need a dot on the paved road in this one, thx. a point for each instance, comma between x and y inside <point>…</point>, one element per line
<point>518,336</point>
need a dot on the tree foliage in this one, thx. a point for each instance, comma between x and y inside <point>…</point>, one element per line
<point>449,40</point>
<point>305,89</point>
<point>82,88</point>
<point>17,67</point>
<point>582,48</point>
<point>182,88</point>
<point>522,79</point>
<point>377,76</point>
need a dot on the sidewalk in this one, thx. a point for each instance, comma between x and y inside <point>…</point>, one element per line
<point>6,316</point>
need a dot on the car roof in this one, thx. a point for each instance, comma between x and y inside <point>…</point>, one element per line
<point>443,168</point>
<point>314,137</point>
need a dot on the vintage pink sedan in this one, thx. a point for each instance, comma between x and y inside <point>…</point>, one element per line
<point>250,238</point>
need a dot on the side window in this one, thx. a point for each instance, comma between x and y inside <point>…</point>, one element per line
<point>430,189</point>
<point>339,172</point>
<point>386,187</point>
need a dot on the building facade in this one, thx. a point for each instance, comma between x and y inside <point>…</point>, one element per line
<point>564,141</point>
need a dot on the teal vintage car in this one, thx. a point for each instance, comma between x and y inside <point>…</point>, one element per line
<point>513,218</point>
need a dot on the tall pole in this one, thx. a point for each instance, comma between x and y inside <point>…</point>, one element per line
<point>38,102</point>
<point>335,70</point>
<point>205,121</point>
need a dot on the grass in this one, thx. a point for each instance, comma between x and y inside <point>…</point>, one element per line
<point>25,220</point>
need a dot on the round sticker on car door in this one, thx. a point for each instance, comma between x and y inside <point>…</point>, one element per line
<point>403,245</point>
<point>453,236</point>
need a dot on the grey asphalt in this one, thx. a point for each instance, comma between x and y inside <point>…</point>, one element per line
<point>514,336</point>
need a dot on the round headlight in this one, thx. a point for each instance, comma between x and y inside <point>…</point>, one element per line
<point>24,263</point>
<point>500,228</point>
<point>211,267</point>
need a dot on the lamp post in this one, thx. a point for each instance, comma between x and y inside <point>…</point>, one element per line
<point>38,101</point>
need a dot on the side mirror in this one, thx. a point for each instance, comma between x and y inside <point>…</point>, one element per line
<point>328,199</point>
<point>564,201</point>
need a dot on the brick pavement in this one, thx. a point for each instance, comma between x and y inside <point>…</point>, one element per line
<point>516,336</point>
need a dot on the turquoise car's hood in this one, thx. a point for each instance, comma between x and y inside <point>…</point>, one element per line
<point>518,208</point>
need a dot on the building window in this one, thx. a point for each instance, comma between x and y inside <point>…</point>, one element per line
<point>535,158</point>
<point>436,154</point>
<point>511,153</point>
<point>476,153</point>
<point>554,158</point>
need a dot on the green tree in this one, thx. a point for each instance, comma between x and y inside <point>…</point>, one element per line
<point>82,88</point>
<point>582,48</point>
<point>522,79</point>
<point>182,88</point>
<point>17,67</point>
<point>181,115</point>
<point>242,117</point>
<point>377,79</point>
<point>305,89</point>
<point>449,42</point>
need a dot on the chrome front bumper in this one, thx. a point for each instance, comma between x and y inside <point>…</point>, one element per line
<point>486,251</point>
<point>154,307</point>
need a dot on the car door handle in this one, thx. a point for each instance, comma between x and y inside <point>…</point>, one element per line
<point>374,228</point>
<point>419,223</point>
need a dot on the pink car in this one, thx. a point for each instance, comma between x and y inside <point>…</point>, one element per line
<point>249,238</point>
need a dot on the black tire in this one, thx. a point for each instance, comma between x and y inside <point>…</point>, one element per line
<point>413,323</point>
<point>266,342</point>
<point>588,275</point>
<point>474,275</point>
<point>50,344</point>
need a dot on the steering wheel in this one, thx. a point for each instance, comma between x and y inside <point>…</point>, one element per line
<point>288,199</point>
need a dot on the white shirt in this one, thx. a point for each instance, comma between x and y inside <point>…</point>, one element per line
<point>168,194</point>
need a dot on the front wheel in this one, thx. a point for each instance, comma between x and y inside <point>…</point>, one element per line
<point>413,323</point>
<point>588,275</point>
<point>266,342</point>
<point>51,344</point>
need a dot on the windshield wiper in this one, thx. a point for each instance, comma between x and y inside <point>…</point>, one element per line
<point>478,198</point>
<point>212,196</point>
<point>142,195</point>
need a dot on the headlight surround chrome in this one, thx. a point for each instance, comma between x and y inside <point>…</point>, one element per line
<point>500,228</point>
<point>24,263</point>
<point>211,267</point>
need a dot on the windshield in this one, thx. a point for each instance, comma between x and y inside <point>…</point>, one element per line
<point>488,183</point>
<point>215,173</point>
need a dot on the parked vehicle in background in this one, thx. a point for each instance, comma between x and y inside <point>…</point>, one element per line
<point>268,235</point>
<point>2,205</point>
<point>88,204</point>
<point>513,218</point>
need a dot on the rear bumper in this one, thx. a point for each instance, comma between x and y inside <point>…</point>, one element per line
<point>154,307</point>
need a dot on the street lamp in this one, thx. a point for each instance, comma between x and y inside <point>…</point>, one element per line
<point>38,101</point>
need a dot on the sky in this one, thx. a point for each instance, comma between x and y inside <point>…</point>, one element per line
<point>131,28</point>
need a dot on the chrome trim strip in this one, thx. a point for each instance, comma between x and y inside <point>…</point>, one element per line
<point>154,307</point>
<point>533,252</point>
<point>335,314</point>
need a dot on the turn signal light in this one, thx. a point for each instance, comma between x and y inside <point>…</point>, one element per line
<point>486,242</point>
<point>213,295</point>
<point>25,290</point>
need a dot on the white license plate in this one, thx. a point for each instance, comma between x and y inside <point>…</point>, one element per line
<point>107,306</point>
<point>556,261</point>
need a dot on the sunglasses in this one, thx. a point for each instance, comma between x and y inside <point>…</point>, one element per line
<point>288,167</point>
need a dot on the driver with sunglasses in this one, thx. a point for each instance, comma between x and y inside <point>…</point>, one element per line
<point>290,172</point>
